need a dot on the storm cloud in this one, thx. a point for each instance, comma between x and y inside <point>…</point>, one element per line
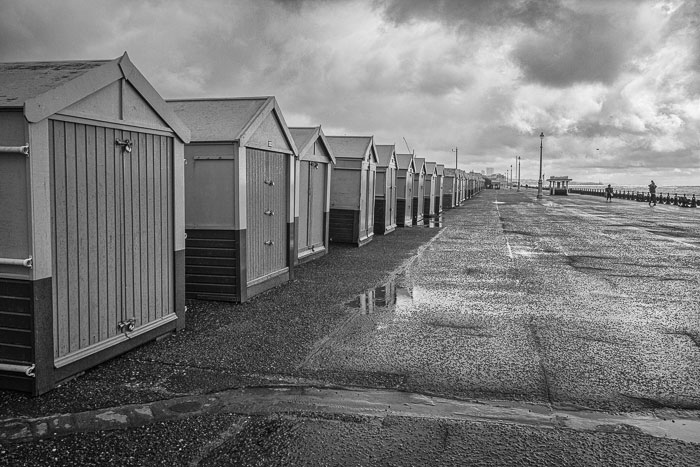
<point>614,85</point>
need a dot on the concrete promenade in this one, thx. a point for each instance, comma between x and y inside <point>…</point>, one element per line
<point>561,331</point>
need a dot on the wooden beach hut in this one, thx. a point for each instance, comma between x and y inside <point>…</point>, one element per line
<point>449,185</point>
<point>385,192</point>
<point>313,189</point>
<point>439,188</point>
<point>239,215</point>
<point>429,189</point>
<point>92,231</point>
<point>404,189</point>
<point>419,190</point>
<point>352,189</point>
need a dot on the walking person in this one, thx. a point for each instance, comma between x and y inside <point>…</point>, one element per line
<point>652,193</point>
<point>608,194</point>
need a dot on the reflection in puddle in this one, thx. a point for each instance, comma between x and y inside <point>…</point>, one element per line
<point>384,298</point>
<point>432,221</point>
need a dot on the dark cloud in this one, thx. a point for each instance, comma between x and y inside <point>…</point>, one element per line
<point>464,14</point>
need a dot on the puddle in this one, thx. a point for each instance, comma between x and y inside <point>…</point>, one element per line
<point>384,298</point>
<point>432,222</point>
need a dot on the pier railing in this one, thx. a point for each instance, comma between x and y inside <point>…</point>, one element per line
<point>641,196</point>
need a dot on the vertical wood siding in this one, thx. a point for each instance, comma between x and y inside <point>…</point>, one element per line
<point>318,185</point>
<point>113,232</point>
<point>265,258</point>
<point>305,196</point>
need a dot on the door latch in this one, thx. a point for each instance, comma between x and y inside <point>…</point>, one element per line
<point>127,325</point>
<point>269,213</point>
<point>269,182</point>
<point>269,243</point>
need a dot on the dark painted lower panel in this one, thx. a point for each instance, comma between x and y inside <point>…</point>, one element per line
<point>291,248</point>
<point>211,262</point>
<point>26,334</point>
<point>447,201</point>
<point>428,209</point>
<point>380,222</point>
<point>344,226</point>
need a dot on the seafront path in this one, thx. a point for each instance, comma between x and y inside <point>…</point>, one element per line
<point>514,331</point>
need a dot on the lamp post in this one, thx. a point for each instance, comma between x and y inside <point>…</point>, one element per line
<point>518,173</point>
<point>510,185</point>
<point>539,180</point>
<point>456,151</point>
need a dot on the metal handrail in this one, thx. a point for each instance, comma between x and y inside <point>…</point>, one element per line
<point>15,149</point>
<point>26,369</point>
<point>27,263</point>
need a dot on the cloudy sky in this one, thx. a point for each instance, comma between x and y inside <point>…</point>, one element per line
<point>614,85</point>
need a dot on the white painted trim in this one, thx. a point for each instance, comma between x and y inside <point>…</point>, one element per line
<point>112,341</point>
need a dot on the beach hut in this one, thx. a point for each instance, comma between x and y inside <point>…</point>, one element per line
<point>418,190</point>
<point>239,178</point>
<point>404,189</point>
<point>352,189</point>
<point>449,184</point>
<point>91,221</point>
<point>313,189</point>
<point>439,188</point>
<point>385,191</point>
<point>429,189</point>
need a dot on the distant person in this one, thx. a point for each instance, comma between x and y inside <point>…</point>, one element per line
<point>608,194</point>
<point>652,193</point>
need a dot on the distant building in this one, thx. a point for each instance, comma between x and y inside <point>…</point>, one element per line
<point>489,170</point>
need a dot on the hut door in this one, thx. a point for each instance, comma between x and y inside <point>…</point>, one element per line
<point>371,180</point>
<point>391,196</point>
<point>112,235</point>
<point>267,190</point>
<point>317,193</point>
<point>305,200</point>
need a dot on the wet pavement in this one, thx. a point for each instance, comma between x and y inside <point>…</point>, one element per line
<point>510,332</point>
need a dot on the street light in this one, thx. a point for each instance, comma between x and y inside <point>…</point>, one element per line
<point>456,151</point>
<point>518,173</point>
<point>539,181</point>
<point>510,185</point>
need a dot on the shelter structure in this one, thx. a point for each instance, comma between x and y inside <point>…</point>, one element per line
<point>404,189</point>
<point>353,188</point>
<point>385,191</point>
<point>429,189</point>
<point>240,197</point>
<point>439,188</point>
<point>559,185</point>
<point>449,184</point>
<point>313,189</point>
<point>419,190</point>
<point>92,219</point>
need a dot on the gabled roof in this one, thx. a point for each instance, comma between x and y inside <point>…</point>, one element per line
<point>449,172</point>
<point>305,137</point>
<point>440,170</point>
<point>420,164</point>
<point>353,147</point>
<point>430,168</point>
<point>384,154</point>
<point>45,88</point>
<point>405,161</point>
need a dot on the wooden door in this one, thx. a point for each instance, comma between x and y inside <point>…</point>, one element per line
<point>369,206</point>
<point>305,200</point>
<point>267,191</point>
<point>112,234</point>
<point>317,186</point>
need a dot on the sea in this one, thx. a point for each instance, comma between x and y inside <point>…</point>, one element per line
<point>687,190</point>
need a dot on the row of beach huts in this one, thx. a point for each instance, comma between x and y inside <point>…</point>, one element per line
<point>116,206</point>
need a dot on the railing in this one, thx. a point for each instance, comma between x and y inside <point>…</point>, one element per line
<point>642,197</point>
